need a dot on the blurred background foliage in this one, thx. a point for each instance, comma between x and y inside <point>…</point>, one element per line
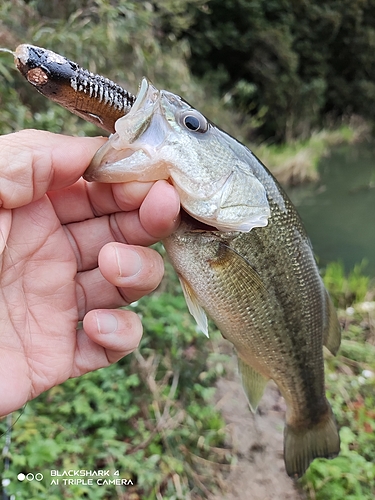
<point>295,64</point>
<point>275,71</point>
<point>282,68</point>
<point>122,40</point>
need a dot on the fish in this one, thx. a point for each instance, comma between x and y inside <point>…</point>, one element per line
<point>242,256</point>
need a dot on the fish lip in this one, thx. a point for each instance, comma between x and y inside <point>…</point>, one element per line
<point>143,94</point>
<point>104,161</point>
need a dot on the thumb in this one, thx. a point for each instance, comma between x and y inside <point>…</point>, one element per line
<point>33,162</point>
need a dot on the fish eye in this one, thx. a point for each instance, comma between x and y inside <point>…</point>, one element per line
<point>194,121</point>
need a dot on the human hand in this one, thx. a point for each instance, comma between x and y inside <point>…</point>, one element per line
<point>63,259</point>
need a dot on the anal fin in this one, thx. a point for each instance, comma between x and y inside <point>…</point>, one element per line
<point>253,383</point>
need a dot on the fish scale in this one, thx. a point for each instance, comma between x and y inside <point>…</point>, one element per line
<point>253,312</point>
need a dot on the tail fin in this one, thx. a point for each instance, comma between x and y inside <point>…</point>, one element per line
<point>301,446</point>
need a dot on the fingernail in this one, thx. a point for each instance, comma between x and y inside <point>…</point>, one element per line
<point>107,322</point>
<point>128,261</point>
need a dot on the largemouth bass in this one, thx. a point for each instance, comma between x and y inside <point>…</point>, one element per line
<point>241,253</point>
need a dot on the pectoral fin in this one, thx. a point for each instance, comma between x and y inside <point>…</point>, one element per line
<point>195,309</point>
<point>253,383</point>
<point>237,275</point>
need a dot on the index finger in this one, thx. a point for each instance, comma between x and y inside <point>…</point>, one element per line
<point>34,161</point>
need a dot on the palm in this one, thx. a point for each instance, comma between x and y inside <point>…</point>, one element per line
<point>39,306</point>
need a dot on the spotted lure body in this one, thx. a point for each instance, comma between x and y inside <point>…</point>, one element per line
<point>241,252</point>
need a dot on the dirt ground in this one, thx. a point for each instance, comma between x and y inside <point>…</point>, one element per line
<point>257,440</point>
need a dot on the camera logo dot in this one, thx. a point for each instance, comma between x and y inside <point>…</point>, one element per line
<point>30,477</point>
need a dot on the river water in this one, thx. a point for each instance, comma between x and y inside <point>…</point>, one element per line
<point>339,211</point>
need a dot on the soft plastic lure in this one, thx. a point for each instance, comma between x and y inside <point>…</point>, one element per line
<point>92,97</point>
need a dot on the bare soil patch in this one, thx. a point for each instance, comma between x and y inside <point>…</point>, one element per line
<point>257,441</point>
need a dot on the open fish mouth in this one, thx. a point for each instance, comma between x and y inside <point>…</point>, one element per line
<point>138,135</point>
